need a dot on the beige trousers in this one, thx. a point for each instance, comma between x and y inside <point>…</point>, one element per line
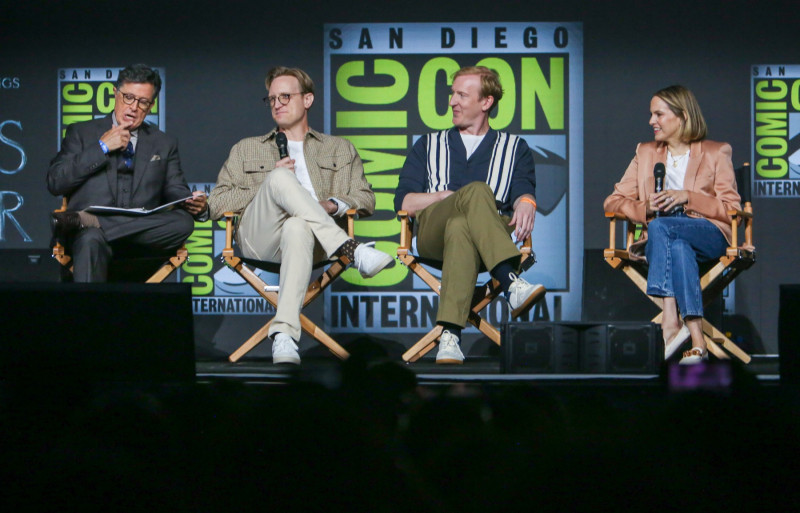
<point>284,224</point>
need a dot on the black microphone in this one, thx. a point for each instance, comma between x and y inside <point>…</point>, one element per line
<point>280,140</point>
<point>659,171</point>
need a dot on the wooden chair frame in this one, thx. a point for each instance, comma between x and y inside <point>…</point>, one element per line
<point>736,259</point>
<point>167,268</point>
<point>315,289</point>
<point>482,297</point>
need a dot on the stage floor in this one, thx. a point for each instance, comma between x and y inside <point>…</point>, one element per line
<point>475,370</point>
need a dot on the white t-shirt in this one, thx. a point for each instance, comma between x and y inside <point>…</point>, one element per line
<point>676,171</point>
<point>300,168</point>
<point>471,142</point>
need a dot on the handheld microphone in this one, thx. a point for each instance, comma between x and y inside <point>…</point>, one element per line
<point>659,171</point>
<point>280,140</point>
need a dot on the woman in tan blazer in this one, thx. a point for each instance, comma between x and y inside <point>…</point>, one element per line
<point>687,219</point>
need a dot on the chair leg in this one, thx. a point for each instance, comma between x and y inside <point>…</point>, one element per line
<point>323,338</point>
<point>258,337</point>
<point>424,345</point>
<point>719,338</point>
<point>169,266</point>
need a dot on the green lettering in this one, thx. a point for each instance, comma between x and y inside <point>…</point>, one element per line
<point>771,89</point>
<point>772,168</point>
<point>506,108</point>
<point>372,119</point>
<point>426,92</point>
<point>774,123</point>
<point>198,264</point>
<point>551,96</point>
<point>771,147</point>
<point>382,95</point>
<point>77,92</point>
<point>202,285</point>
<point>199,242</point>
<point>105,97</point>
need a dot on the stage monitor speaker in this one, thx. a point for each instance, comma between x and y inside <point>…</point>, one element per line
<point>64,332</point>
<point>29,265</point>
<point>574,347</point>
<point>609,295</point>
<point>789,334</point>
<point>622,348</point>
<point>545,348</point>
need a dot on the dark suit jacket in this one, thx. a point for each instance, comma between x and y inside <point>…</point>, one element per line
<point>709,180</point>
<point>87,176</point>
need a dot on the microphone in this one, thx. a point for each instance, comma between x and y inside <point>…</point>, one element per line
<point>280,140</point>
<point>659,171</point>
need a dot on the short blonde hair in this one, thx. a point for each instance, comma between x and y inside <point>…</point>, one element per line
<point>490,82</point>
<point>306,84</point>
<point>683,104</point>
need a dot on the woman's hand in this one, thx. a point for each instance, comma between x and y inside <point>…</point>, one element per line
<point>667,200</point>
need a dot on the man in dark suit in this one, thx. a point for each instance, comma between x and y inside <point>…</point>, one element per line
<point>120,161</point>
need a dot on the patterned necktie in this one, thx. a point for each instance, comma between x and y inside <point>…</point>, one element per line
<point>127,154</point>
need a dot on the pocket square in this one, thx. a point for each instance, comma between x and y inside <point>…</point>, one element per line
<point>155,157</point>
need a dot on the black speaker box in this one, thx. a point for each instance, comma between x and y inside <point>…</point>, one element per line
<point>547,348</point>
<point>789,334</point>
<point>29,265</point>
<point>96,332</point>
<point>573,347</point>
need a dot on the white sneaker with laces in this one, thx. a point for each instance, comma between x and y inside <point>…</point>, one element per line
<point>449,351</point>
<point>370,261</point>
<point>284,349</point>
<point>522,295</point>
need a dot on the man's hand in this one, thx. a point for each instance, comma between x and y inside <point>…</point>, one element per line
<point>416,201</point>
<point>330,207</point>
<point>523,219</point>
<point>117,138</point>
<point>196,204</point>
<point>286,162</point>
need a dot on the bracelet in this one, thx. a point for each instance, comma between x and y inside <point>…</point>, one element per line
<point>103,147</point>
<point>526,199</point>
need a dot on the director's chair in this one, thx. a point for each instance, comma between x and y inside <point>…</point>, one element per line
<point>714,277</point>
<point>483,296</point>
<point>131,264</point>
<point>332,270</point>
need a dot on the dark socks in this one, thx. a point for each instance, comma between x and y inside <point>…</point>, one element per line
<point>452,328</point>
<point>348,249</point>
<point>505,273</point>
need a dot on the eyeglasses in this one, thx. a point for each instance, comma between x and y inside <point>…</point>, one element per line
<point>142,103</point>
<point>284,98</point>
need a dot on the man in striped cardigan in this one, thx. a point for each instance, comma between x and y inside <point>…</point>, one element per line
<point>469,188</point>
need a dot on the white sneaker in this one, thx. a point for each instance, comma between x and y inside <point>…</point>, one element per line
<point>522,295</point>
<point>370,261</point>
<point>449,351</point>
<point>284,349</point>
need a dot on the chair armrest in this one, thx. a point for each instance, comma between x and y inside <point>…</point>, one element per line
<point>63,205</point>
<point>740,213</point>
<point>230,221</point>
<point>406,232</point>
<point>615,215</point>
<point>352,215</point>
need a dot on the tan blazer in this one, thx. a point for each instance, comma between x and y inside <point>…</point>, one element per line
<point>709,180</point>
<point>333,165</point>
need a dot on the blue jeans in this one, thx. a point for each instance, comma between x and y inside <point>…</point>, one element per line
<point>675,245</point>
